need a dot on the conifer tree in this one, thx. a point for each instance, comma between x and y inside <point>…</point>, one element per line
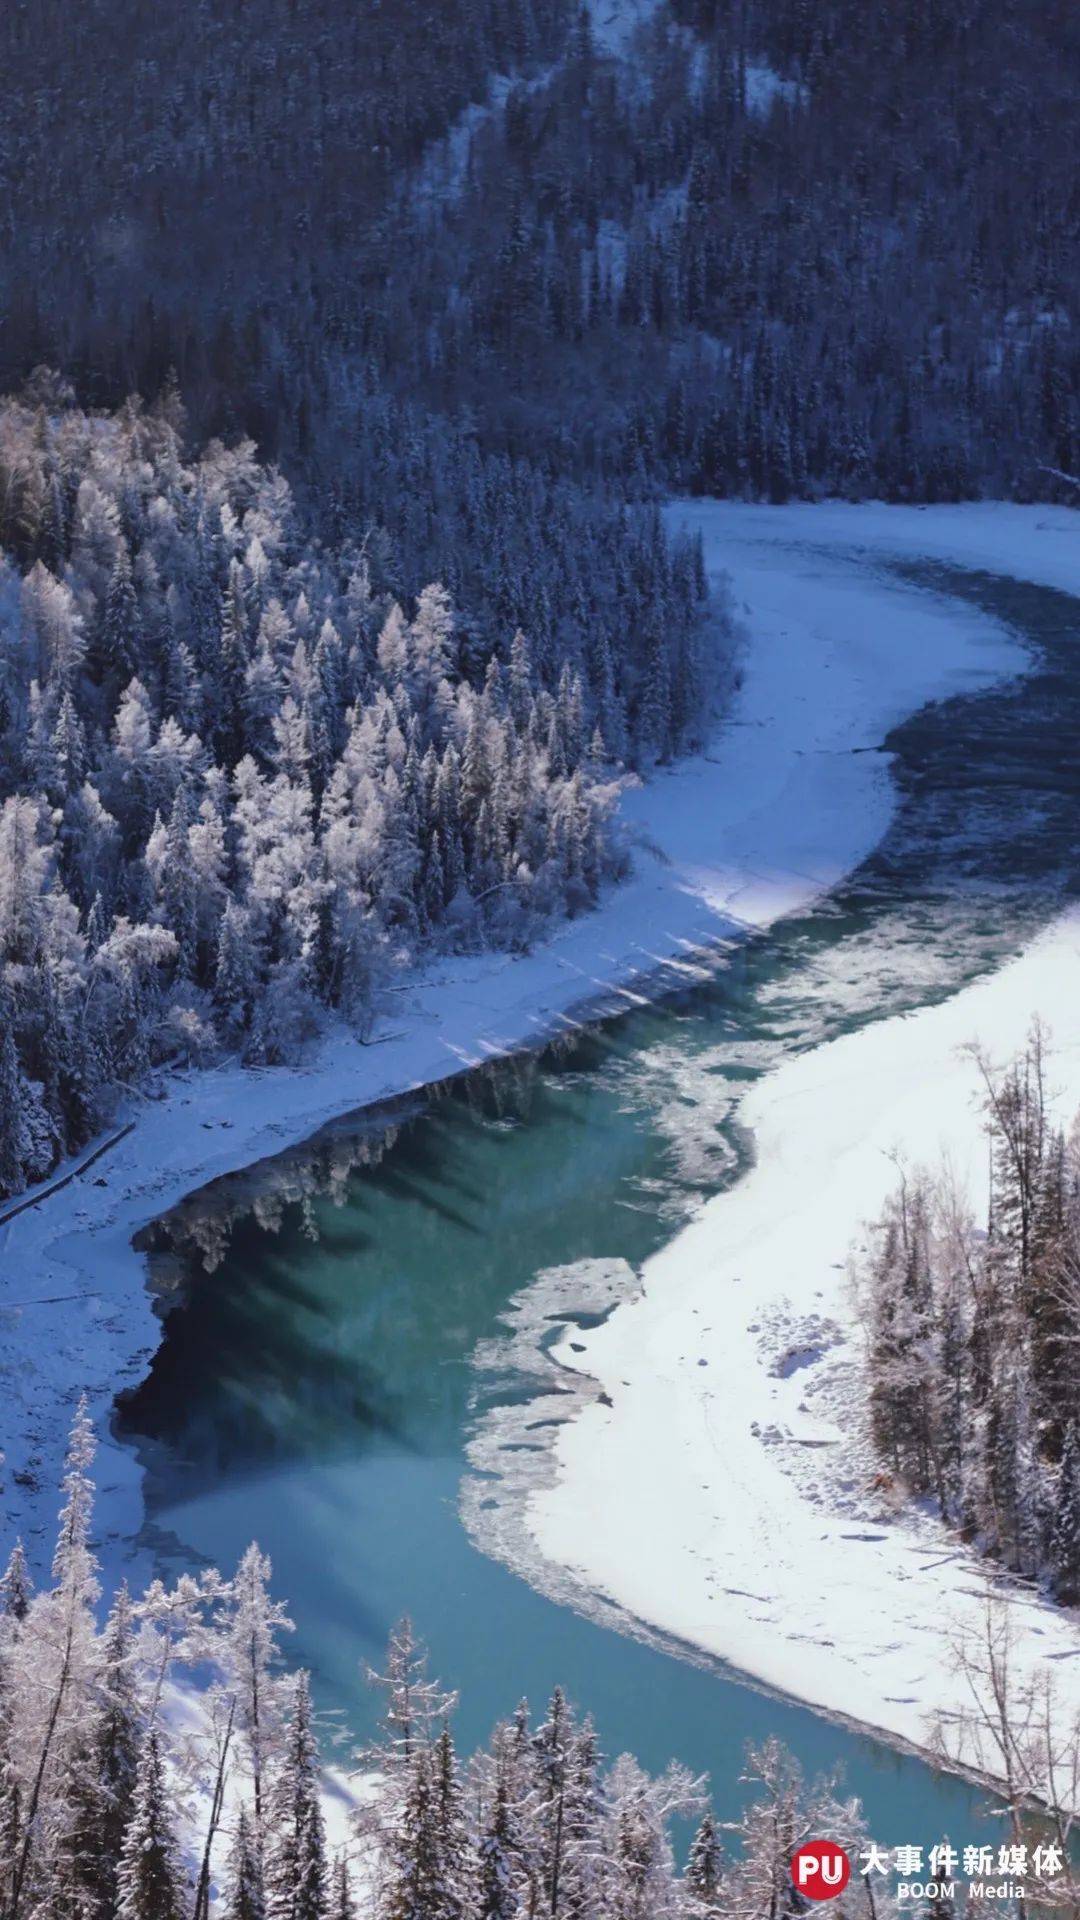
<point>457,1858</point>
<point>705,1866</point>
<point>1065,1525</point>
<point>62,1625</point>
<point>16,1586</point>
<point>244,1899</point>
<point>106,1783</point>
<point>250,1655</point>
<point>500,1849</point>
<point>112,656</point>
<point>342,1902</point>
<point>414,1886</point>
<point>296,1859</point>
<point>150,1882</point>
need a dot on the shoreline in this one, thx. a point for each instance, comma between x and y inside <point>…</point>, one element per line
<point>753,1483</point>
<point>792,792</point>
<point>766,1550</point>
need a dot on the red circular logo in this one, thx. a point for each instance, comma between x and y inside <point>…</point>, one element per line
<point>820,1870</point>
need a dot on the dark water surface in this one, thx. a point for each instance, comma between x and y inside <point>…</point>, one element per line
<point>314,1388</point>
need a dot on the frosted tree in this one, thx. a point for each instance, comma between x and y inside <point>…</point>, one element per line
<point>456,1853</point>
<point>237,968</point>
<point>783,1813</point>
<point>500,1850</point>
<point>296,1870</point>
<point>638,1869</point>
<point>112,655</point>
<point>16,1586</point>
<point>56,623</point>
<point>244,1898</point>
<point>705,1866</point>
<point>48,1731</point>
<point>151,1884</point>
<point>104,1789</point>
<point>342,1905</point>
<point>26,1136</point>
<point>249,1656</point>
<point>413,1704</point>
<point>413,1881</point>
<point>1064,1552</point>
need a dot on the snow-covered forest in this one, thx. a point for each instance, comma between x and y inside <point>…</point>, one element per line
<point>158,1762</point>
<point>779,247</point>
<point>473,278</point>
<point>358,359</point>
<point>972,1330</point>
<point>240,781</point>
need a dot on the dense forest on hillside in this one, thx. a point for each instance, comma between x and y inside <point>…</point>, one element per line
<point>775,247</point>
<point>474,283</point>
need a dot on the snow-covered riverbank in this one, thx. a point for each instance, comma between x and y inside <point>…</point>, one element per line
<point>787,801</point>
<point>753,1530</point>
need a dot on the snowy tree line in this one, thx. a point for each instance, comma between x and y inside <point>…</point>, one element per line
<point>972,1332</point>
<point>241,782</point>
<point>161,1764</point>
<point>786,247</point>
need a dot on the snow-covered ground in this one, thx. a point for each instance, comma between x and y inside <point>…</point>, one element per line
<point>753,1530</point>
<point>788,799</point>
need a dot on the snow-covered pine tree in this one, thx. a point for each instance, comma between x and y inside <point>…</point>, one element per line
<point>151,1884</point>
<point>249,1656</point>
<point>413,1704</point>
<point>500,1848</point>
<point>16,1586</point>
<point>296,1872</point>
<point>413,1884</point>
<point>705,1866</point>
<point>456,1851</point>
<point>104,1788</point>
<point>1064,1551</point>
<point>244,1898</point>
<point>51,1685</point>
<point>342,1904</point>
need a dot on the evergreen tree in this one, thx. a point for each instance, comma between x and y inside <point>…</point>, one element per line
<point>150,1882</point>
<point>342,1903</point>
<point>244,1899</point>
<point>414,1887</point>
<point>296,1860</point>
<point>500,1847</point>
<point>249,1654</point>
<point>1065,1525</point>
<point>112,657</point>
<point>106,1787</point>
<point>457,1859</point>
<point>705,1866</point>
<point>16,1586</point>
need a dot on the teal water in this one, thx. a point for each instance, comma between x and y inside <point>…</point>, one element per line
<point>315,1387</point>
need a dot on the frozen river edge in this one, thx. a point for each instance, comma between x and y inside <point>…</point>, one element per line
<point>756,1533</point>
<point>788,801</point>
